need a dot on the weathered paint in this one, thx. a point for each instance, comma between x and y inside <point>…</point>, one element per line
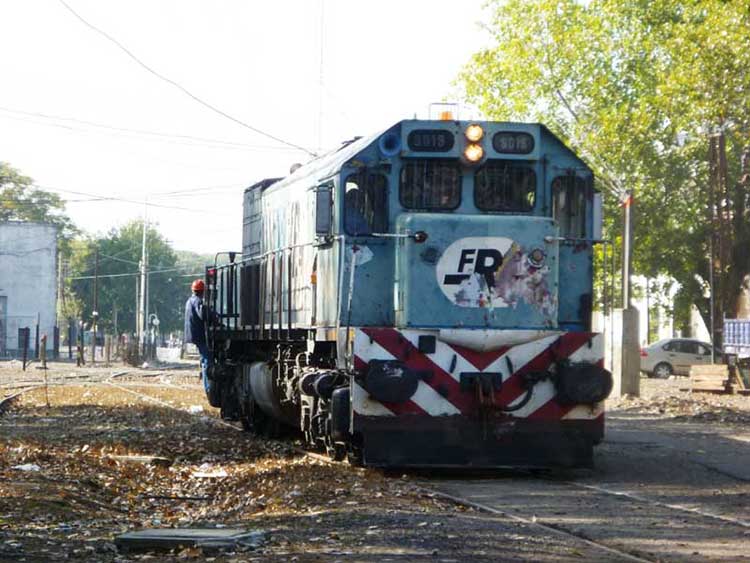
<point>483,277</point>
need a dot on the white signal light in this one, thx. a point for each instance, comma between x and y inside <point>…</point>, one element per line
<point>473,152</point>
<point>474,132</point>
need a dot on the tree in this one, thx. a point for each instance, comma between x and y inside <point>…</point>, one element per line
<point>119,258</point>
<point>20,200</point>
<point>636,88</point>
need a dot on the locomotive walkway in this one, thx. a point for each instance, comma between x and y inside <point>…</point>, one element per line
<point>668,486</point>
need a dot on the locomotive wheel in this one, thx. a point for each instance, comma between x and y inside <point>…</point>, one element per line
<point>355,452</point>
<point>246,424</point>
<point>355,457</point>
<point>336,451</point>
<point>213,392</point>
<point>254,420</point>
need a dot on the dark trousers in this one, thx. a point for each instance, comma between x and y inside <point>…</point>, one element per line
<point>205,354</point>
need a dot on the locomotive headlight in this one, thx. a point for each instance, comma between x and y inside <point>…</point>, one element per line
<point>474,133</point>
<point>473,152</point>
<point>536,257</point>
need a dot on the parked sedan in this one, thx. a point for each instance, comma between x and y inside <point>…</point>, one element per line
<point>674,355</point>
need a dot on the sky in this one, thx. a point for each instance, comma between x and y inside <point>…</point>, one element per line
<point>85,120</point>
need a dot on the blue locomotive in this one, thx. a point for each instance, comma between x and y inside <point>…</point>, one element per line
<point>419,297</point>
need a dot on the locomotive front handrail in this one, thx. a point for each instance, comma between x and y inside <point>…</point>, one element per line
<point>551,239</point>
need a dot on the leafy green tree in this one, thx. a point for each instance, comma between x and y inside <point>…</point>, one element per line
<point>636,88</point>
<point>119,258</point>
<point>20,200</point>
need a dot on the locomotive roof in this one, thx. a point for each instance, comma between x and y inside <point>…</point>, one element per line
<point>327,165</point>
<point>324,166</point>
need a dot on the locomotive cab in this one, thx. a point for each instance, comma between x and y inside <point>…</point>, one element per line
<point>422,297</point>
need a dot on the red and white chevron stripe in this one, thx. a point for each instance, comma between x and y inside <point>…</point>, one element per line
<point>441,394</point>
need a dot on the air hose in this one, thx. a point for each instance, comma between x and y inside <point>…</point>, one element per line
<point>528,382</point>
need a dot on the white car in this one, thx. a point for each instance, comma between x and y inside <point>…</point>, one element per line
<point>674,356</point>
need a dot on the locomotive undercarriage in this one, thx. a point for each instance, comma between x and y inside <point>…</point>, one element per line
<point>278,389</point>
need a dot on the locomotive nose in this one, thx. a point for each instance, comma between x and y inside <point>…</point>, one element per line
<point>477,272</point>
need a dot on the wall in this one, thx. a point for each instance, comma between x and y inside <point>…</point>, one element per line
<point>28,281</point>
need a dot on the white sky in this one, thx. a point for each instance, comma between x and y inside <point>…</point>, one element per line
<point>256,60</point>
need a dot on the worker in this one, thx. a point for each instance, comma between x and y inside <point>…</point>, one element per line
<point>355,221</point>
<point>195,328</point>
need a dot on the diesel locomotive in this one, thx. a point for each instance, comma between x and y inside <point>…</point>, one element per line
<point>420,297</point>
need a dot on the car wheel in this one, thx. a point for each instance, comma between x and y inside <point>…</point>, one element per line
<point>662,370</point>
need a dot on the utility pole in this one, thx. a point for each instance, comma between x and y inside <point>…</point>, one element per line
<point>137,305</point>
<point>627,252</point>
<point>144,266</point>
<point>321,37</point>
<point>722,236</point>
<point>630,343</point>
<point>95,312</point>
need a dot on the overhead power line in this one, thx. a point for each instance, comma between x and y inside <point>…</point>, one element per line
<point>149,272</point>
<point>207,141</point>
<point>181,87</point>
<point>135,201</point>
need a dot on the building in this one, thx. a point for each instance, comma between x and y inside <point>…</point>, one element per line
<point>28,282</point>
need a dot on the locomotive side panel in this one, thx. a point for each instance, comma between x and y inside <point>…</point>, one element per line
<point>570,186</point>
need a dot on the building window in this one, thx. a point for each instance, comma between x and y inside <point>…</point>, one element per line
<point>366,204</point>
<point>569,205</point>
<point>430,184</point>
<point>504,186</point>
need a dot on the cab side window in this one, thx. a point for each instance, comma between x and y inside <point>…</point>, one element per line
<point>569,205</point>
<point>366,204</point>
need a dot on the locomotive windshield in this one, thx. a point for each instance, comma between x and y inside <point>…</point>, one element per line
<point>366,203</point>
<point>504,186</point>
<point>430,184</point>
<point>569,205</point>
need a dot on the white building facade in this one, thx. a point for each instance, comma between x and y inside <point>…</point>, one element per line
<point>28,283</point>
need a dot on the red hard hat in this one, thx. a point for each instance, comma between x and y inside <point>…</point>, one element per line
<point>198,285</point>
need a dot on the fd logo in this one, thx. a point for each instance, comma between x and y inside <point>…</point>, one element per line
<point>468,268</point>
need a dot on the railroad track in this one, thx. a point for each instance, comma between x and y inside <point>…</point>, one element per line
<point>671,506</point>
<point>578,506</point>
<point>8,401</point>
<point>547,528</point>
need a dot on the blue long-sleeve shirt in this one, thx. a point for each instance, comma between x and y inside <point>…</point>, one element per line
<point>195,321</point>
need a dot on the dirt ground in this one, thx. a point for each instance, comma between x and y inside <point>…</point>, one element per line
<point>66,490</point>
<point>68,487</point>
<point>665,398</point>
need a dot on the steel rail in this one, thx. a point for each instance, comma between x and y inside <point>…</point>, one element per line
<point>534,523</point>
<point>676,507</point>
<point>6,402</point>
